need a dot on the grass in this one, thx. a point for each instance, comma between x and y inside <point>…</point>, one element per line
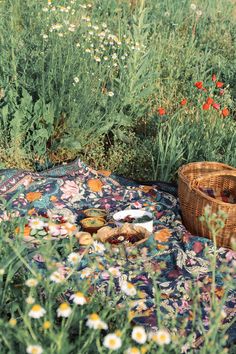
<point>88,81</point>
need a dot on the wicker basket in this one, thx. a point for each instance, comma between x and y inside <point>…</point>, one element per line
<point>193,200</point>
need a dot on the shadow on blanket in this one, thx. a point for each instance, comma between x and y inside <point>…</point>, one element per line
<point>178,256</point>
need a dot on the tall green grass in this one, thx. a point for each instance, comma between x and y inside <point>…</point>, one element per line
<point>57,99</point>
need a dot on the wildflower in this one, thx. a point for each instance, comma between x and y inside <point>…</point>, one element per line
<point>210,101</point>
<point>161,111</point>
<point>216,106</point>
<point>46,325</point>
<point>205,106</point>
<point>222,92</point>
<point>112,341</point>
<point>183,102</point>
<point>64,310</point>
<point>114,272</point>
<point>110,93</point>
<point>114,56</point>
<point>213,77</point>
<point>128,288</point>
<point>132,350</point>
<point>139,335</point>
<point>31,282</point>
<point>34,349</point>
<point>161,337</point>
<point>30,300</point>
<point>95,322</point>
<point>45,9</point>
<point>199,13</point>
<point>36,224</point>
<point>98,247</point>
<point>45,36</point>
<point>76,80</point>
<point>12,322</point>
<point>97,59</point>
<point>105,58</point>
<point>193,7</point>
<point>2,271</point>
<point>86,272</point>
<point>225,112</point>
<point>199,85</point>
<point>78,298</point>
<point>57,277</point>
<point>37,311</point>
<point>74,258</point>
<point>219,84</point>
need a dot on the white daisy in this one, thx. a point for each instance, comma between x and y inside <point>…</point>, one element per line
<point>30,300</point>
<point>36,224</point>
<point>34,349</point>
<point>57,277</point>
<point>76,80</point>
<point>78,298</point>
<point>74,258</point>
<point>110,93</point>
<point>37,311</point>
<point>112,341</point>
<point>193,7</point>
<point>128,288</point>
<point>139,335</point>
<point>95,322</point>
<point>161,337</point>
<point>86,272</point>
<point>98,247</point>
<point>31,282</point>
<point>114,272</point>
<point>64,310</point>
<point>2,271</point>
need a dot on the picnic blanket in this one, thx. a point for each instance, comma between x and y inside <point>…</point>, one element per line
<point>177,256</point>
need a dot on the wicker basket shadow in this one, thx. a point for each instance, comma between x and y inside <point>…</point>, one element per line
<point>193,179</point>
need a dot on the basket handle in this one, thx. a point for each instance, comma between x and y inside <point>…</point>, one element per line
<point>196,181</point>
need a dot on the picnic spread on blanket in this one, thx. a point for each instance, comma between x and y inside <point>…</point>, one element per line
<point>77,199</point>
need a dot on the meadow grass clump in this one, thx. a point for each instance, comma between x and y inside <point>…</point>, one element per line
<point>76,76</point>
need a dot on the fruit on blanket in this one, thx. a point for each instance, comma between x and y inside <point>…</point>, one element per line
<point>95,212</point>
<point>84,238</point>
<point>92,225</point>
<point>104,233</point>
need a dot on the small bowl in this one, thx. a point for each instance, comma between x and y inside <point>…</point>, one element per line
<point>134,213</point>
<point>92,225</point>
<point>95,213</point>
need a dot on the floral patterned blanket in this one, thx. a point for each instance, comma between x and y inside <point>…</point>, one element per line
<point>172,252</point>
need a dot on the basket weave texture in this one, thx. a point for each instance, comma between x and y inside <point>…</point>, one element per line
<point>193,201</point>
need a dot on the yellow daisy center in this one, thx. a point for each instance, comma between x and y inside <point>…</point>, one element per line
<point>64,306</point>
<point>112,342</point>
<point>130,286</point>
<point>94,317</point>
<point>79,294</point>
<point>162,337</point>
<point>36,308</point>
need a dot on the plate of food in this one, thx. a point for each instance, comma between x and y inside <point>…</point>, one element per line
<point>136,217</point>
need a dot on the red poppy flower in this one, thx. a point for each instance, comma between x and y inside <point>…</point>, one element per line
<point>222,92</point>
<point>210,100</point>
<point>183,102</point>
<point>161,111</point>
<point>216,106</point>
<point>199,84</point>
<point>206,106</point>
<point>219,84</point>
<point>213,77</point>
<point>225,112</point>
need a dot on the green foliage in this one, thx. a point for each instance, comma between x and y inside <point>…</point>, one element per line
<point>70,77</point>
